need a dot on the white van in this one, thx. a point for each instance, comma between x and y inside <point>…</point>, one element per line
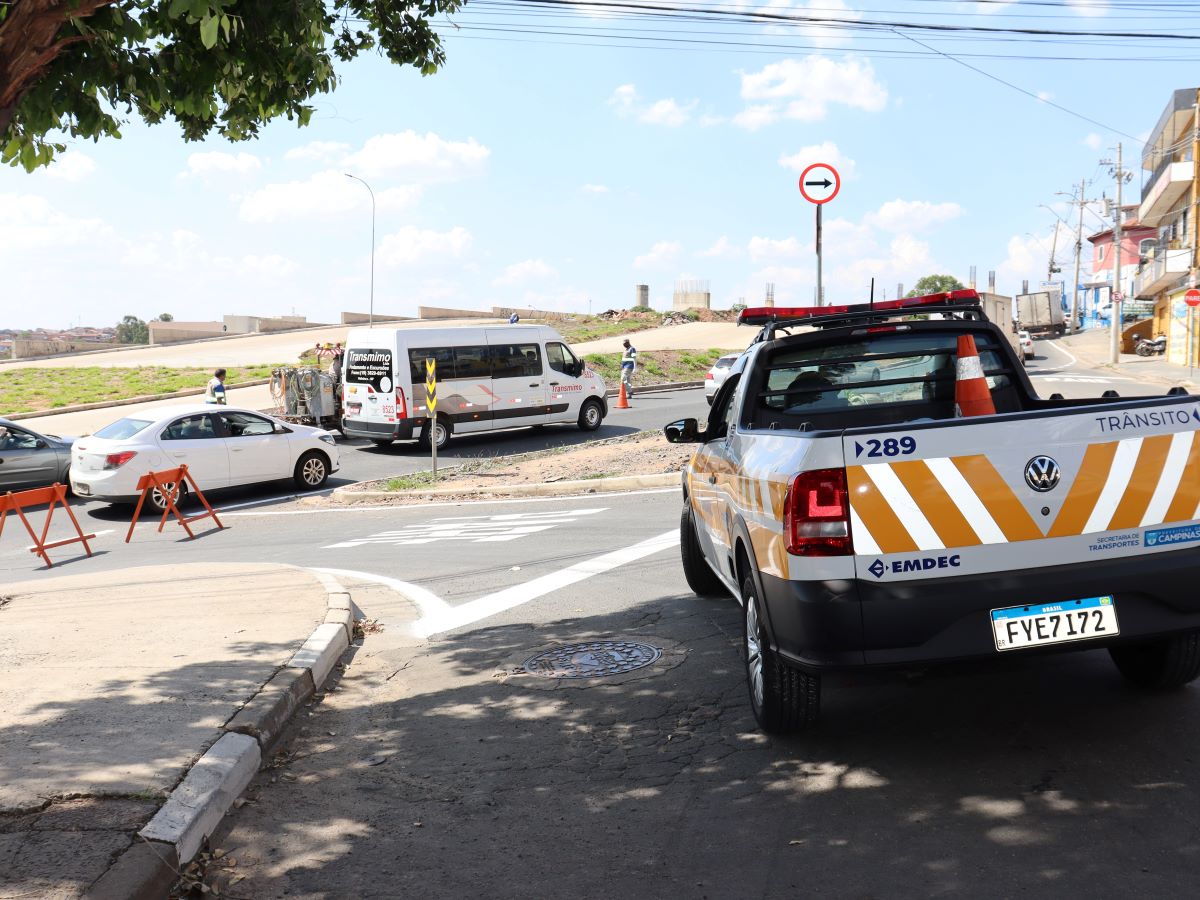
<point>488,377</point>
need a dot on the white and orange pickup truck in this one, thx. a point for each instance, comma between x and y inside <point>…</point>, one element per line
<point>840,493</point>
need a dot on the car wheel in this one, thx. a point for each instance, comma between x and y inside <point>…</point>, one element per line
<point>381,442</point>
<point>784,700</point>
<point>590,415</point>
<point>158,498</point>
<point>312,470</point>
<point>1160,665</point>
<point>441,434</point>
<point>696,570</point>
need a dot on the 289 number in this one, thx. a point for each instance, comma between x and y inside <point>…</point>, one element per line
<point>887,447</point>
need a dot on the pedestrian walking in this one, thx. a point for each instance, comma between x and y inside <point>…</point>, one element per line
<point>215,392</point>
<point>628,364</point>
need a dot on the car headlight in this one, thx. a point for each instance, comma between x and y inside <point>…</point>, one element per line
<point>327,438</point>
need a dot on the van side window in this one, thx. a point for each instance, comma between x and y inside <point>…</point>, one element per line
<point>559,357</point>
<point>472,362</point>
<point>516,360</point>
<point>445,362</point>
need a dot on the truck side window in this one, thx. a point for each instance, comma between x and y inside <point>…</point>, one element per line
<point>445,363</point>
<point>515,360</point>
<point>721,417</point>
<point>559,357</point>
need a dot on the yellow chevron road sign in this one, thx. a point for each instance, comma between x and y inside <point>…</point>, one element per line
<point>431,385</point>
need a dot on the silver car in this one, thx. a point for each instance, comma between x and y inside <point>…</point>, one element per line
<point>31,460</point>
<point>716,376</point>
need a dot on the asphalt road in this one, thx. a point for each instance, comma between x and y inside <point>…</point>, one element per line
<point>434,769</point>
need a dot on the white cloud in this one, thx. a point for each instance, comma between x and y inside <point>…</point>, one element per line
<point>761,248</point>
<point>1089,8</point>
<point>428,155</point>
<point>912,215</point>
<point>814,9</point>
<point>218,163</point>
<point>669,112</point>
<point>661,254</point>
<point>595,189</point>
<point>320,151</point>
<point>804,89</point>
<point>826,152</point>
<point>411,246</point>
<point>70,166</point>
<point>1093,141</point>
<point>30,223</point>
<point>708,120</point>
<point>327,193</point>
<point>722,248</point>
<point>523,272</point>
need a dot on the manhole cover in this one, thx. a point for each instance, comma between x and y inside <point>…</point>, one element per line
<point>591,660</point>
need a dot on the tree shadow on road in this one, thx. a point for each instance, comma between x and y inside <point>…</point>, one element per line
<point>435,771</point>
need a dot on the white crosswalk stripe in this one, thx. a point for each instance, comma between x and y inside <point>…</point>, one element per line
<point>473,529</point>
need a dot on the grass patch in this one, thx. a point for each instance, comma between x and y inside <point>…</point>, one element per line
<point>413,482</point>
<point>35,390</point>
<point>595,329</point>
<point>659,367</point>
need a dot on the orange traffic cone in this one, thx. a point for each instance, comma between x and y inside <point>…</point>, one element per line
<point>971,394</point>
<point>622,400</point>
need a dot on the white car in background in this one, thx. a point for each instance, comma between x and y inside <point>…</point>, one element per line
<point>1026,343</point>
<point>222,446</point>
<point>716,376</point>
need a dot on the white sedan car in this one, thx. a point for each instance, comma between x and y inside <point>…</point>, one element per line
<point>1026,344</point>
<point>716,376</point>
<point>223,446</point>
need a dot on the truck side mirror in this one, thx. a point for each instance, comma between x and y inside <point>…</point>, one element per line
<point>685,431</point>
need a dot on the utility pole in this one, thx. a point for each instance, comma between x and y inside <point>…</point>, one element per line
<point>1114,349</point>
<point>1050,267</point>
<point>1073,326</point>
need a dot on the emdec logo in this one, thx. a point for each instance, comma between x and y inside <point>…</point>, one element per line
<point>903,566</point>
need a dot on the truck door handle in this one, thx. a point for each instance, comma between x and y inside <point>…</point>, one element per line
<point>536,384</point>
<point>179,455</point>
<point>554,383</point>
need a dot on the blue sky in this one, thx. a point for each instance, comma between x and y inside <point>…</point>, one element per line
<point>561,171</point>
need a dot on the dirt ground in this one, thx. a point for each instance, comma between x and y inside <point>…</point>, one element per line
<point>644,453</point>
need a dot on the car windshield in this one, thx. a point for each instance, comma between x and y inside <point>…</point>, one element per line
<point>122,428</point>
<point>724,362</point>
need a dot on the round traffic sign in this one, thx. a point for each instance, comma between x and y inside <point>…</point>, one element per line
<point>1192,297</point>
<point>819,183</point>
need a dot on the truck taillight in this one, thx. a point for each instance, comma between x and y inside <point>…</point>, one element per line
<point>816,514</point>
<point>708,376</point>
<point>116,460</point>
<point>401,404</point>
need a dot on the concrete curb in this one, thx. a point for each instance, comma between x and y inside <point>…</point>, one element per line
<point>543,489</point>
<point>194,809</point>
<point>129,401</point>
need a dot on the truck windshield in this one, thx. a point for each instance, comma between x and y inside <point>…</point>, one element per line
<point>911,374</point>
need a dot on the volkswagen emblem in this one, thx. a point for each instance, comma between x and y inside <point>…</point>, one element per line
<point>1042,473</point>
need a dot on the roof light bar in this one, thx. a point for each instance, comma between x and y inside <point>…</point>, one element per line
<point>761,315</point>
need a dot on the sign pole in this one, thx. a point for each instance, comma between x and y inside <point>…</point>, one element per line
<point>819,184</point>
<point>431,406</point>
<point>819,294</point>
<point>1192,298</point>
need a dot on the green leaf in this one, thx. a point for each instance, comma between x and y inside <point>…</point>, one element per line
<point>208,31</point>
<point>225,26</point>
<point>177,7</point>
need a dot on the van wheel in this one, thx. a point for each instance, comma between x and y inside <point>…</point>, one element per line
<point>784,700</point>
<point>441,431</point>
<point>381,442</point>
<point>591,415</point>
<point>696,570</point>
<point>312,471</point>
<point>158,498</point>
<point>1160,665</point>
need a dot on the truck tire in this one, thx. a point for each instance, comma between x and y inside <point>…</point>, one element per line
<point>696,570</point>
<point>312,470</point>
<point>784,700</point>
<point>591,414</point>
<point>1160,665</point>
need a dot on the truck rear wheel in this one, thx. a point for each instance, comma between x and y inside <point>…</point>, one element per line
<point>1160,665</point>
<point>784,700</point>
<point>696,570</point>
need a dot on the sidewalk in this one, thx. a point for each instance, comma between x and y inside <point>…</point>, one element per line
<point>1092,349</point>
<point>114,685</point>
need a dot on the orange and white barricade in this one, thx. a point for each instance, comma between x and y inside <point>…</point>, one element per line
<point>167,483</point>
<point>54,496</point>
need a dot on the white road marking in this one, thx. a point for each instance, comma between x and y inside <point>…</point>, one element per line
<point>501,601</point>
<point>438,616</point>
<point>1064,351</point>
<point>493,501</point>
<point>475,529</point>
<point>92,535</point>
<point>284,499</point>
<point>1079,379</point>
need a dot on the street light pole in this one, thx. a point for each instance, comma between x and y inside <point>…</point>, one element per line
<point>371,311</point>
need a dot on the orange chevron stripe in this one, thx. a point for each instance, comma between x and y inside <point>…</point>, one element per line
<point>1085,491</point>
<point>995,494</point>
<point>877,515</point>
<point>941,511</point>
<point>1146,473</point>
<point>1187,495</point>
